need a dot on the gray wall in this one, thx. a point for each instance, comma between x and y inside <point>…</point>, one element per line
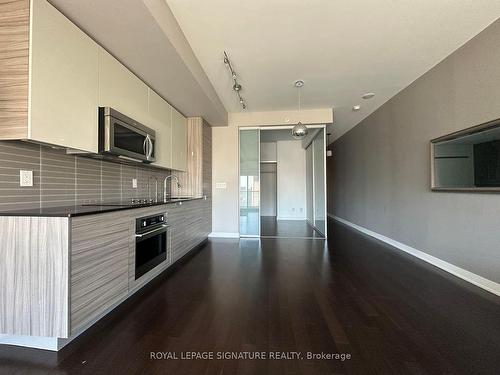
<point>60,179</point>
<point>382,166</point>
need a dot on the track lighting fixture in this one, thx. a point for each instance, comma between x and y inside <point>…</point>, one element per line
<point>236,86</point>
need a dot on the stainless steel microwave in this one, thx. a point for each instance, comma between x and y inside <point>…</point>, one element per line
<point>124,137</point>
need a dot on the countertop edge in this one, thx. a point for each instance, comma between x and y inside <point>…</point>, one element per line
<point>69,214</point>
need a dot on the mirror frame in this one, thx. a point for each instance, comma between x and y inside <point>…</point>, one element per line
<point>468,131</point>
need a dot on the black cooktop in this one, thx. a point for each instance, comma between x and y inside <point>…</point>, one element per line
<point>91,208</point>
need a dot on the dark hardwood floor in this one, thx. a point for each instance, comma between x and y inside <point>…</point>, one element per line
<point>270,227</point>
<point>392,313</point>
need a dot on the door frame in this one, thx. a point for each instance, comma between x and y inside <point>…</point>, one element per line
<point>280,127</point>
<point>311,143</point>
<point>240,129</point>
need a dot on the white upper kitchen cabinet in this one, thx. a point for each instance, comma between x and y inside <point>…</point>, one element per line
<point>160,113</point>
<point>179,141</point>
<point>120,89</point>
<point>64,81</point>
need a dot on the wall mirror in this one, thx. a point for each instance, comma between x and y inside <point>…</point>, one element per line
<point>468,160</point>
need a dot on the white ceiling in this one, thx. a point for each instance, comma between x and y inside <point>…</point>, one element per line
<point>144,35</point>
<point>341,49</point>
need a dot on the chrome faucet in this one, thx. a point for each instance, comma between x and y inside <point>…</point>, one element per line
<point>156,189</point>
<point>171,176</point>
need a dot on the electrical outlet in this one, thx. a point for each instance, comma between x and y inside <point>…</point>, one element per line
<point>25,178</point>
<point>134,183</point>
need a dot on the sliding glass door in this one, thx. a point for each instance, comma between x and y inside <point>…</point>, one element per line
<point>319,182</point>
<point>249,188</point>
<point>315,182</point>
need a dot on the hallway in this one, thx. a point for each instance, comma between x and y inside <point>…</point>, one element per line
<point>389,311</point>
<point>271,227</point>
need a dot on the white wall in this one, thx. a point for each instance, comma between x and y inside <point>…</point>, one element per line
<point>268,151</point>
<point>291,180</point>
<point>277,118</point>
<point>268,190</point>
<point>225,167</point>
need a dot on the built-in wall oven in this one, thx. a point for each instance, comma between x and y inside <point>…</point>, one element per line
<point>122,136</point>
<point>151,243</point>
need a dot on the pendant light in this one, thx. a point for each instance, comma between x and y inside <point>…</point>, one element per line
<point>299,131</point>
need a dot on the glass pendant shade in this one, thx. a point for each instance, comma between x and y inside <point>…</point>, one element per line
<point>299,131</point>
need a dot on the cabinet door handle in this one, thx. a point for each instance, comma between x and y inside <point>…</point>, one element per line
<point>150,148</point>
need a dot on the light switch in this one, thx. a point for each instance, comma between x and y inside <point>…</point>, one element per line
<point>220,185</point>
<point>134,183</point>
<point>25,178</point>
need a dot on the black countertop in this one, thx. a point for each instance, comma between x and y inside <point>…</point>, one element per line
<point>88,209</point>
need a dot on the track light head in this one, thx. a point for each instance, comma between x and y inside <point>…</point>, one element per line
<point>236,86</point>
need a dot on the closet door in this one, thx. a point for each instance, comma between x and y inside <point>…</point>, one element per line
<point>319,182</point>
<point>249,182</point>
<point>309,185</point>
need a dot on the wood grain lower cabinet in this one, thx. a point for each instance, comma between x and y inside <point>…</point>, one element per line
<point>34,276</point>
<point>190,224</point>
<point>100,245</point>
<point>59,275</point>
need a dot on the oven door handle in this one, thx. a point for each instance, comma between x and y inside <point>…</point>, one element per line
<point>161,229</point>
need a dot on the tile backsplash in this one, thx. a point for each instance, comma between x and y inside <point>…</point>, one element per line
<point>60,179</point>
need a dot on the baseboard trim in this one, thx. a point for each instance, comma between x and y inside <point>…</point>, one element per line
<point>290,218</point>
<point>224,235</point>
<point>35,342</point>
<point>468,276</point>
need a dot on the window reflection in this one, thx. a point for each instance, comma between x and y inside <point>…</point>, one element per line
<point>468,160</point>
